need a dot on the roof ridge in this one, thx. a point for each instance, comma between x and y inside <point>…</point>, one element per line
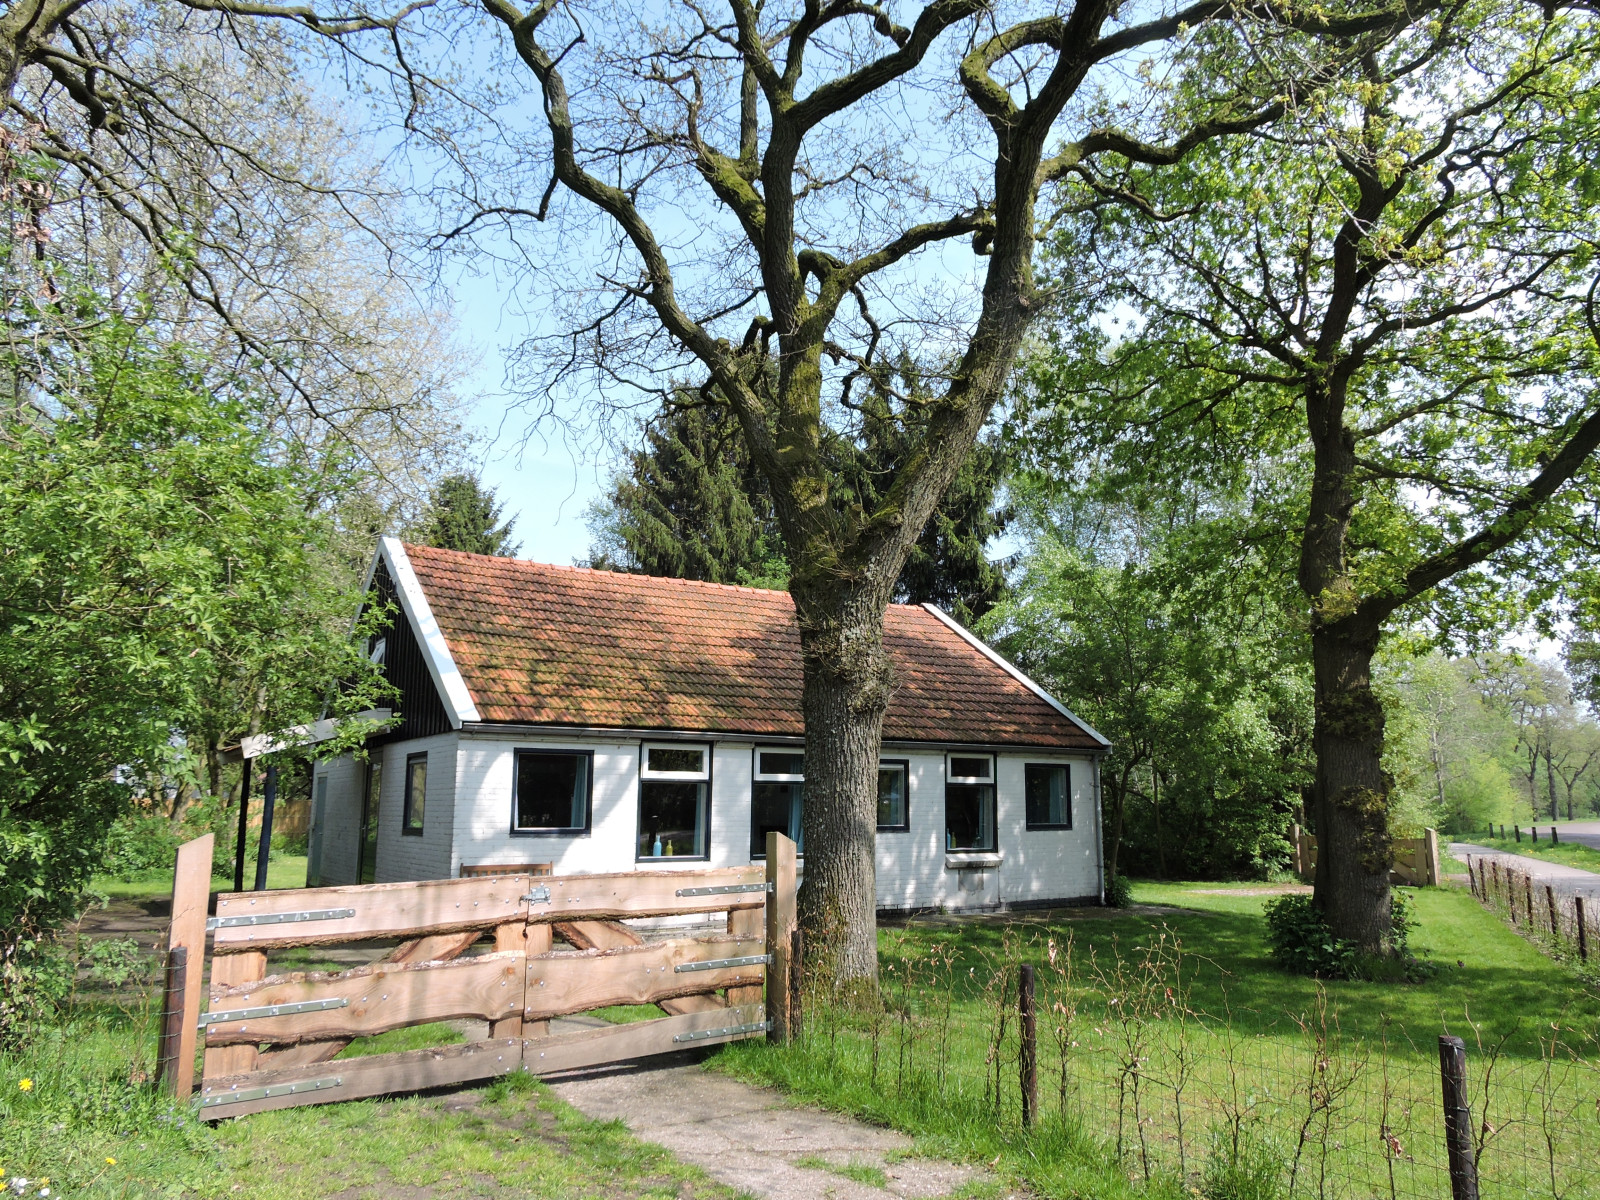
<point>598,571</point>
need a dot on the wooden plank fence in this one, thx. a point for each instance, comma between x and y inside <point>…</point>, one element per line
<point>272,1040</point>
<point>1416,860</point>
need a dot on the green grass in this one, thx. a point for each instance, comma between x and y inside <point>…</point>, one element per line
<point>1569,854</point>
<point>90,1122</point>
<point>284,871</point>
<point>1247,1024</point>
<point>864,1173</point>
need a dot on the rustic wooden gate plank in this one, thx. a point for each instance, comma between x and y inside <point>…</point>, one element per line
<point>228,971</point>
<point>191,889</point>
<point>575,981</point>
<point>437,948</point>
<point>597,935</point>
<point>643,894</point>
<point>640,1039</point>
<point>403,910</point>
<point>378,998</point>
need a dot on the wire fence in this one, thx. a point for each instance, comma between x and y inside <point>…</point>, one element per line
<point>1560,922</point>
<point>1177,1094</point>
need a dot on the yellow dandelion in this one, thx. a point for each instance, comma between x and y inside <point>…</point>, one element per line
<point>110,1162</point>
<point>25,1084</point>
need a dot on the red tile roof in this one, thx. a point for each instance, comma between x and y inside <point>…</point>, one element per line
<point>555,645</point>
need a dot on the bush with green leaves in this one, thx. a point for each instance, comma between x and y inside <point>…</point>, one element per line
<point>1119,892</point>
<point>138,844</point>
<point>1299,940</point>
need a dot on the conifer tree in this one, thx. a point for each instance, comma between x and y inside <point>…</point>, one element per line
<point>464,515</point>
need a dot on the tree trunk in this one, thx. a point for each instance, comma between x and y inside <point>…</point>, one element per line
<point>1351,792</point>
<point>848,678</point>
<point>1550,780</point>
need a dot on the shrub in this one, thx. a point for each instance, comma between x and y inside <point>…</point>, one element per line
<point>36,977</point>
<point>138,844</point>
<point>1119,892</point>
<point>1248,1167</point>
<point>1300,941</point>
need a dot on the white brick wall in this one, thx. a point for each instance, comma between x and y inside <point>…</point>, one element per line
<point>1036,866</point>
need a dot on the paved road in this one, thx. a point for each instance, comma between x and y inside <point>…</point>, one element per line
<point>1569,881</point>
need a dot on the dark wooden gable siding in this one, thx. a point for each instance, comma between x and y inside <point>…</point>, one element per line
<point>422,712</point>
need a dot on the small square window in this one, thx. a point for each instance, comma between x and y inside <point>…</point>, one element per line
<point>416,793</point>
<point>1048,793</point>
<point>782,764</point>
<point>893,783</point>
<point>965,768</point>
<point>674,801</point>
<point>553,789</point>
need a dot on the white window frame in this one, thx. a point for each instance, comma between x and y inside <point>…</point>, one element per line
<point>950,772</point>
<point>701,776</point>
<point>760,776</point>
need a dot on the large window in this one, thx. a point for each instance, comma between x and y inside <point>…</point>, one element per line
<point>367,863</point>
<point>416,794</point>
<point>777,798</point>
<point>894,813</point>
<point>969,803</point>
<point>1048,792</point>
<point>674,799</point>
<point>552,792</point>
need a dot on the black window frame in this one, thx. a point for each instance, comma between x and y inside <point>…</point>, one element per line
<point>367,829</point>
<point>991,782</point>
<point>646,776</point>
<point>588,793</point>
<point>1028,821</point>
<point>407,828</point>
<point>905,765</point>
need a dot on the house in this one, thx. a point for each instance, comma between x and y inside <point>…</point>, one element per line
<point>600,721</point>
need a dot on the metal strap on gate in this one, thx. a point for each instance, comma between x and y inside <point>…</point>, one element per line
<point>539,895</point>
<point>725,889</point>
<point>717,964</point>
<point>700,1035</point>
<point>286,918</point>
<point>266,1093</point>
<point>217,1016</point>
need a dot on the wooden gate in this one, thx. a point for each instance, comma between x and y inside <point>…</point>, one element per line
<point>1416,860</point>
<point>271,1041</point>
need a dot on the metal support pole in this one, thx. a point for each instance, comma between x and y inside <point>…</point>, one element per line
<point>244,819</point>
<point>1029,1057</point>
<point>269,797</point>
<point>1457,1118</point>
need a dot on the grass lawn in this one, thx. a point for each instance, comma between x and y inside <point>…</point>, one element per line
<point>1234,1038</point>
<point>284,871</point>
<point>1569,854</point>
<point>88,1123</point>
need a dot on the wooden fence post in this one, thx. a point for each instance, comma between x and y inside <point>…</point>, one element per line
<point>1527,887</point>
<point>1555,838</point>
<point>1472,880</point>
<point>1583,932</point>
<point>1533,832</point>
<point>172,998</point>
<point>1457,1118</point>
<point>1029,1056</point>
<point>780,927</point>
<point>191,896</point>
<point>1430,849</point>
<point>1516,831</point>
<point>1550,900</point>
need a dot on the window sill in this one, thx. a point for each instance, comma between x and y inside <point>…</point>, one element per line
<point>972,860</point>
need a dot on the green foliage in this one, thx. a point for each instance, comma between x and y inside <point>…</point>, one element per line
<point>690,504</point>
<point>1167,636</point>
<point>139,842</point>
<point>154,542</point>
<point>464,515</point>
<point>1249,1166</point>
<point>1299,940</point>
<point>1119,891</point>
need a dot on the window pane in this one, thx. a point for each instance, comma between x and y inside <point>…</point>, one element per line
<point>552,791</point>
<point>779,763</point>
<point>416,792</point>
<point>671,819</point>
<point>969,768</point>
<point>677,759</point>
<point>891,797</point>
<point>368,868</point>
<point>775,806</point>
<point>969,816</point>
<point>1048,796</point>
